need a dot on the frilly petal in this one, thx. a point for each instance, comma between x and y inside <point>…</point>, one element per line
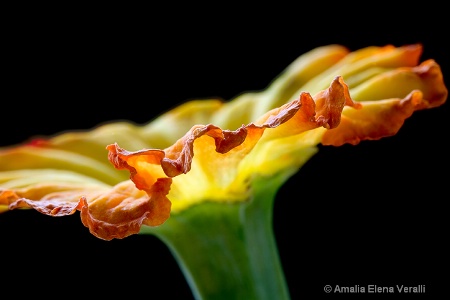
<point>383,114</point>
<point>53,207</point>
<point>377,119</point>
<point>426,77</point>
<point>122,211</point>
<point>109,213</point>
<point>219,153</point>
<point>246,107</point>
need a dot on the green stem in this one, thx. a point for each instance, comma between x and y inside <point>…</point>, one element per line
<point>228,251</point>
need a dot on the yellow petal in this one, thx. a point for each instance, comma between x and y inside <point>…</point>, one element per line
<point>382,114</point>
<point>398,83</point>
<point>357,65</point>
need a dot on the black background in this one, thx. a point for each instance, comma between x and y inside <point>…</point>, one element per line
<point>353,215</point>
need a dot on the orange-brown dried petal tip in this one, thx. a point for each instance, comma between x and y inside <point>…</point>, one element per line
<point>331,101</point>
<point>434,90</point>
<point>53,207</point>
<point>377,119</point>
<point>56,206</point>
<point>122,212</point>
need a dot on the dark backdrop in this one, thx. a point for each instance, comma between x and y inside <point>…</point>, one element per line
<point>353,215</point>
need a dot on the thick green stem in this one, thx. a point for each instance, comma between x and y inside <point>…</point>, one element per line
<point>228,251</point>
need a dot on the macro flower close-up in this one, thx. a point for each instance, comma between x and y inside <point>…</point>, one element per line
<point>203,176</point>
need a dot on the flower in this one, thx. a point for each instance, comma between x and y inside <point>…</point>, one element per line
<point>203,176</point>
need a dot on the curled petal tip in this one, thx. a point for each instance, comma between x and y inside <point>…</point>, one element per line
<point>123,212</point>
<point>51,207</point>
<point>330,103</point>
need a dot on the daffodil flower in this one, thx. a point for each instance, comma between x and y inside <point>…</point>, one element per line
<point>203,176</point>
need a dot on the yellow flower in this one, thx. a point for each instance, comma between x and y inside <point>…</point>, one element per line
<point>210,150</point>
